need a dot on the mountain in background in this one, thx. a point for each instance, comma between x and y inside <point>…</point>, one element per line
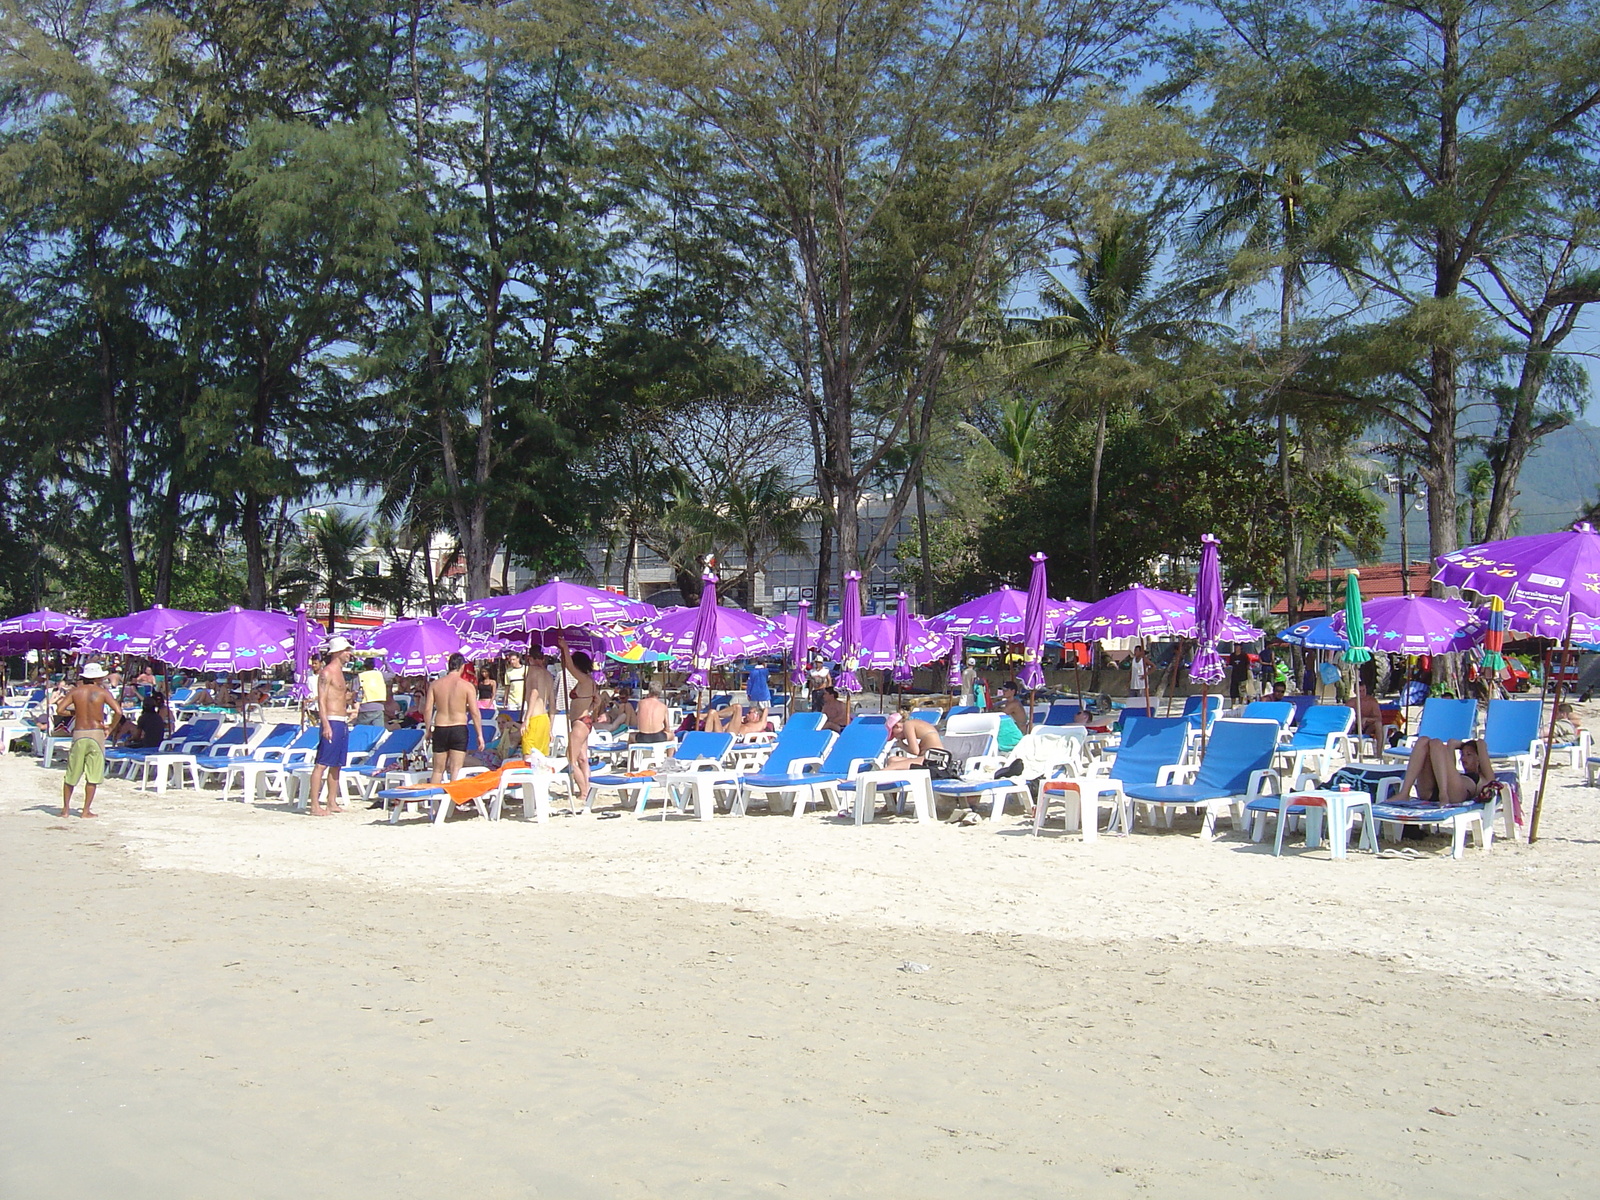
<point>1561,479</point>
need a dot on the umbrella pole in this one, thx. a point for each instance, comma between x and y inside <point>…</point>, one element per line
<point>1550,735</point>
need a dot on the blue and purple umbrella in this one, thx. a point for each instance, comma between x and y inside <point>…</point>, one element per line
<point>734,634</point>
<point>556,605</point>
<point>42,630</point>
<point>1416,625</point>
<point>423,645</point>
<point>880,648</point>
<point>1001,614</point>
<point>1317,633</point>
<point>1554,572</point>
<point>137,633</point>
<point>239,639</point>
<point>1141,612</point>
<point>1036,616</point>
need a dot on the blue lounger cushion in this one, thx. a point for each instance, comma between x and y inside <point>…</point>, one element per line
<point>411,793</point>
<point>1421,814</point>
<point>955,787</point>
<point>1177,793</point>
<point>791,781</point>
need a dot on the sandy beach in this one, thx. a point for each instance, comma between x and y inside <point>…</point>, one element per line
<point>207,999</point>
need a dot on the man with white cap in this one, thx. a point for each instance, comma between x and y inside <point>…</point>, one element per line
<point>87,761</point>
<point>333,707</point>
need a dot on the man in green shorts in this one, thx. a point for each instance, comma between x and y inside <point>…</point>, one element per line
<point>87,703</point>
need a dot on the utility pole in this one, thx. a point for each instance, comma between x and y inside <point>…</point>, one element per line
<point>1405,510</point>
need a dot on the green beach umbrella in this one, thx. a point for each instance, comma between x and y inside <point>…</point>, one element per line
<point>1355,624</point>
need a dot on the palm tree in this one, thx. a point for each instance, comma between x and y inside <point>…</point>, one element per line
<point>1018,433</point>
<point>325,562</point>
<point>1109,336</point>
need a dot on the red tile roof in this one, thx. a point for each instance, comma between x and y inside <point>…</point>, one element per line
<point>1377,579</point>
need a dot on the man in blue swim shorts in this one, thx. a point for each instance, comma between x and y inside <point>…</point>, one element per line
<point>333,707</point>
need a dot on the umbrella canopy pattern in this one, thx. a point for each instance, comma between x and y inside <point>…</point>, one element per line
<point>1557,572</point>
<point>1142,612</point>
<point>42,630</point>
<point>1415,625</point>
<point>423,645</point>
<point>1316,634</point>
<point>240,639</point>
<point>137,633</point>
<point>1547,623</point>
<point>557,604</point>
<point>1000,615</point>
<point>849,644</point>
<point>1210,611</point>
<point>1035,617</point>
<point>877,648</point>
<point>738,634</point>
<point>1355,624</point>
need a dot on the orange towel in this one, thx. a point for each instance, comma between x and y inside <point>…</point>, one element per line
<point>464,790</point>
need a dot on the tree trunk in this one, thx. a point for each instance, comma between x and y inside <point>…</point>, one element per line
<point>167,536</point>
<point>922,546</point>
<point>1440,446</point>
<point>1094,500</point>
<point>115,430</point>
<point>824,562</point>
<point>254,552</point>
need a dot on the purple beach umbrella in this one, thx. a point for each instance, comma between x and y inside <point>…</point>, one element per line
<point>849,640</point>
<point>1148,613</point>
<point>137,633</point>
<point>878,647</point>
<point>1558,573</point>
<point>957,650</point>
<point>736,634</point>
<point>240,639</point>
<point>42,630</point>
<point>1034,621</point>
<point>1000,615</point>
<point>423,645</point>
<point>556,605</point>
<point>300,688</point>
<point>1417,625</point>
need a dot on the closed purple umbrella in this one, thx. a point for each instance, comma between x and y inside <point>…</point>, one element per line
<point>803,630</point>
<point>705,633</point>
<point>902,640</point>
<point>850,633</point>
<point>1035,615</point>
<point>300,689</point>
<point>957,650</point>
<point>1209,613</point>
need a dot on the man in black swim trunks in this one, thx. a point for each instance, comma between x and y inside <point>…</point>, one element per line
<point>451,702</point>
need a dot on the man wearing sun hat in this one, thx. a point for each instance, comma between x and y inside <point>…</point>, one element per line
<point>87,761</point>
<point>333,709</point>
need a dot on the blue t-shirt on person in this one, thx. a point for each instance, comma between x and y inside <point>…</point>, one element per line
<point>756,688</point>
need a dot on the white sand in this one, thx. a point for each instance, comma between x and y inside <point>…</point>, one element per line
<point>206,999</point>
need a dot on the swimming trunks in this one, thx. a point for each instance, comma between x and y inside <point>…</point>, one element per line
<point>333,749</point>
<point>87,758</point>
<point>536,734</point>
<point>660,735</point>
<point>449,737</point>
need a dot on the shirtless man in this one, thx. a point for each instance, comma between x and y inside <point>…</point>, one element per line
<point>583,709</point>
<point>651,717</point>
<point>835,710</point>
<point>333,710</point>
<point>535,721</point>
<point>537,677</point>
<point>1369,713</point>
<point>451,702</point>
<point>1012,706</point>
<point>87,703</point>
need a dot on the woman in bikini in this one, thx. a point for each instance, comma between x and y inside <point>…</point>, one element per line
<point>1447,772</point>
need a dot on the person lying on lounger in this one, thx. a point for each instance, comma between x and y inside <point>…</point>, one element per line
<point>912,738</point>
<point>1447,772</point>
